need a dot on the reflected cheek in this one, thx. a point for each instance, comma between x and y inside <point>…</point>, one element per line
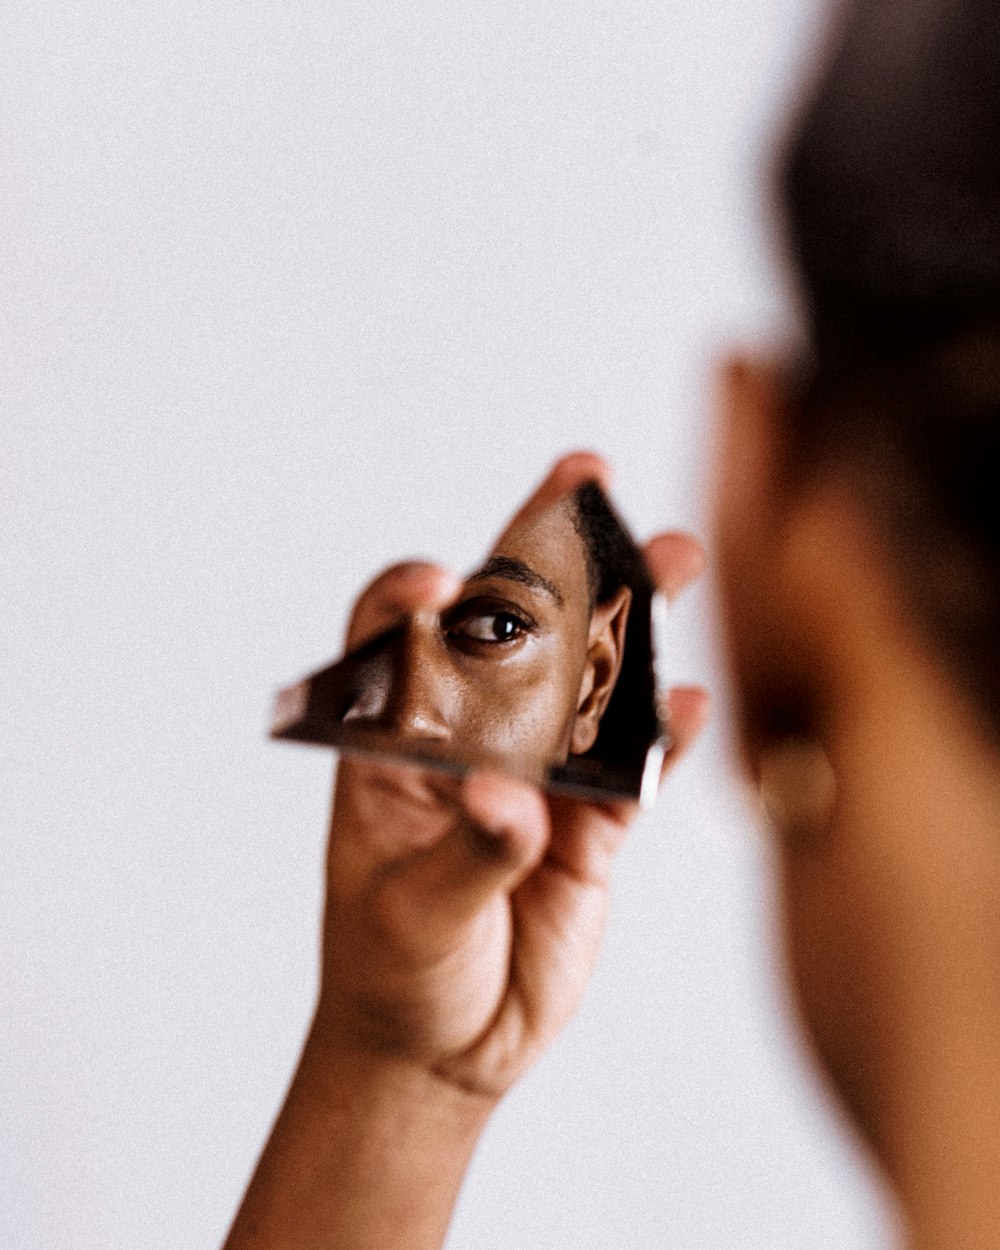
<point>523,708</point>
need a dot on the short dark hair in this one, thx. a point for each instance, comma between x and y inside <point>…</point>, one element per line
<point>613,560</point>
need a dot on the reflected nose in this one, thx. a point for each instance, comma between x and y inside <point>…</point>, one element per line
<point>418,705</point>
<point>366,686</point>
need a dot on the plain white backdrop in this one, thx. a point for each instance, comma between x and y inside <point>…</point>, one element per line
<point>289,292</point>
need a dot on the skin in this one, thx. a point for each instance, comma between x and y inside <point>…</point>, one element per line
<point>891,905</point>
<point>454,951</point>
<point>462,922</point>
<point>520,667</point>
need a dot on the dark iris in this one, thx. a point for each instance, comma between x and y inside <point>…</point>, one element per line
<point>505,627</point>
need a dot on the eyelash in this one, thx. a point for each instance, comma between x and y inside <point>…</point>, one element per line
<point>485,609</point>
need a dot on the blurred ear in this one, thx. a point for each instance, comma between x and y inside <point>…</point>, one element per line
<point>605,652</point>
<point>749,514</point>
<point>751,395</point>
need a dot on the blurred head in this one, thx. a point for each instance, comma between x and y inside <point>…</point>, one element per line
<point>859,553</point>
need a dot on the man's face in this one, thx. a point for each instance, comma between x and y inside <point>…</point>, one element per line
<point>516,673</point>
<point>500,675</point>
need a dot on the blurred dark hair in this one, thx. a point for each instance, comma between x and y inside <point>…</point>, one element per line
<point>890,187</point>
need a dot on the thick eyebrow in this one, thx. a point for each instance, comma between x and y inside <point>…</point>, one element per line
<point>515,570</point>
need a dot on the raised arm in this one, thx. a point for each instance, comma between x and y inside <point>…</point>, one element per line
<point>463,919</point>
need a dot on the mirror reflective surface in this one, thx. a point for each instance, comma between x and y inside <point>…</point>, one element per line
<point>542,666</point>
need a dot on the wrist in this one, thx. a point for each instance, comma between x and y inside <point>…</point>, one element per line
<point>349,1079</point>
<point>369,1153</point>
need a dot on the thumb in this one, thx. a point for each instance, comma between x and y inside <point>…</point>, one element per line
<point>501,835</point>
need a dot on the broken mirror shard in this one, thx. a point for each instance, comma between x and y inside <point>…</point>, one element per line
<point>543,666</point>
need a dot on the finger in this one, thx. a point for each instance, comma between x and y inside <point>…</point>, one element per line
<point>566,475</point>
<point>686,711</point>
<point>674,561</point>
<point>502,836</point>
<point>401,590</point>
<point>586,835</point>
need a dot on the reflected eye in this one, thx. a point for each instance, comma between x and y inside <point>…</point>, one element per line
<point>478,624</point>
<point>490,627</point>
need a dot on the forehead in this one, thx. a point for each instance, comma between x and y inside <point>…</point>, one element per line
<point>549,545</point>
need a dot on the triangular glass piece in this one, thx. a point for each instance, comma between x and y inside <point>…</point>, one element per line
<point>543,666</point>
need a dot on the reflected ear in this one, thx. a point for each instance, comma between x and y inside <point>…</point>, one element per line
<point>605,652</point>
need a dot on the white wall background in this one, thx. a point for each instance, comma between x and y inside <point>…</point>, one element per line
<point>288,292</point>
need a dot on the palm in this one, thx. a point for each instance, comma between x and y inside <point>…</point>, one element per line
<point>473,980</point>
<point>557,917</point>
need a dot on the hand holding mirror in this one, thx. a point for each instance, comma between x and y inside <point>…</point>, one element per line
<point>464,914</point>
<point>542,666</point>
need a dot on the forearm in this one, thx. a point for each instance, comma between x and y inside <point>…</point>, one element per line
<point>365,1155</point>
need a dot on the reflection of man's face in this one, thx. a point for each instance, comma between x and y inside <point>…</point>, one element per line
<point>520,668</point>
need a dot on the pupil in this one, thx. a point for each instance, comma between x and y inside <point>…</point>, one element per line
<point>503,628</point>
